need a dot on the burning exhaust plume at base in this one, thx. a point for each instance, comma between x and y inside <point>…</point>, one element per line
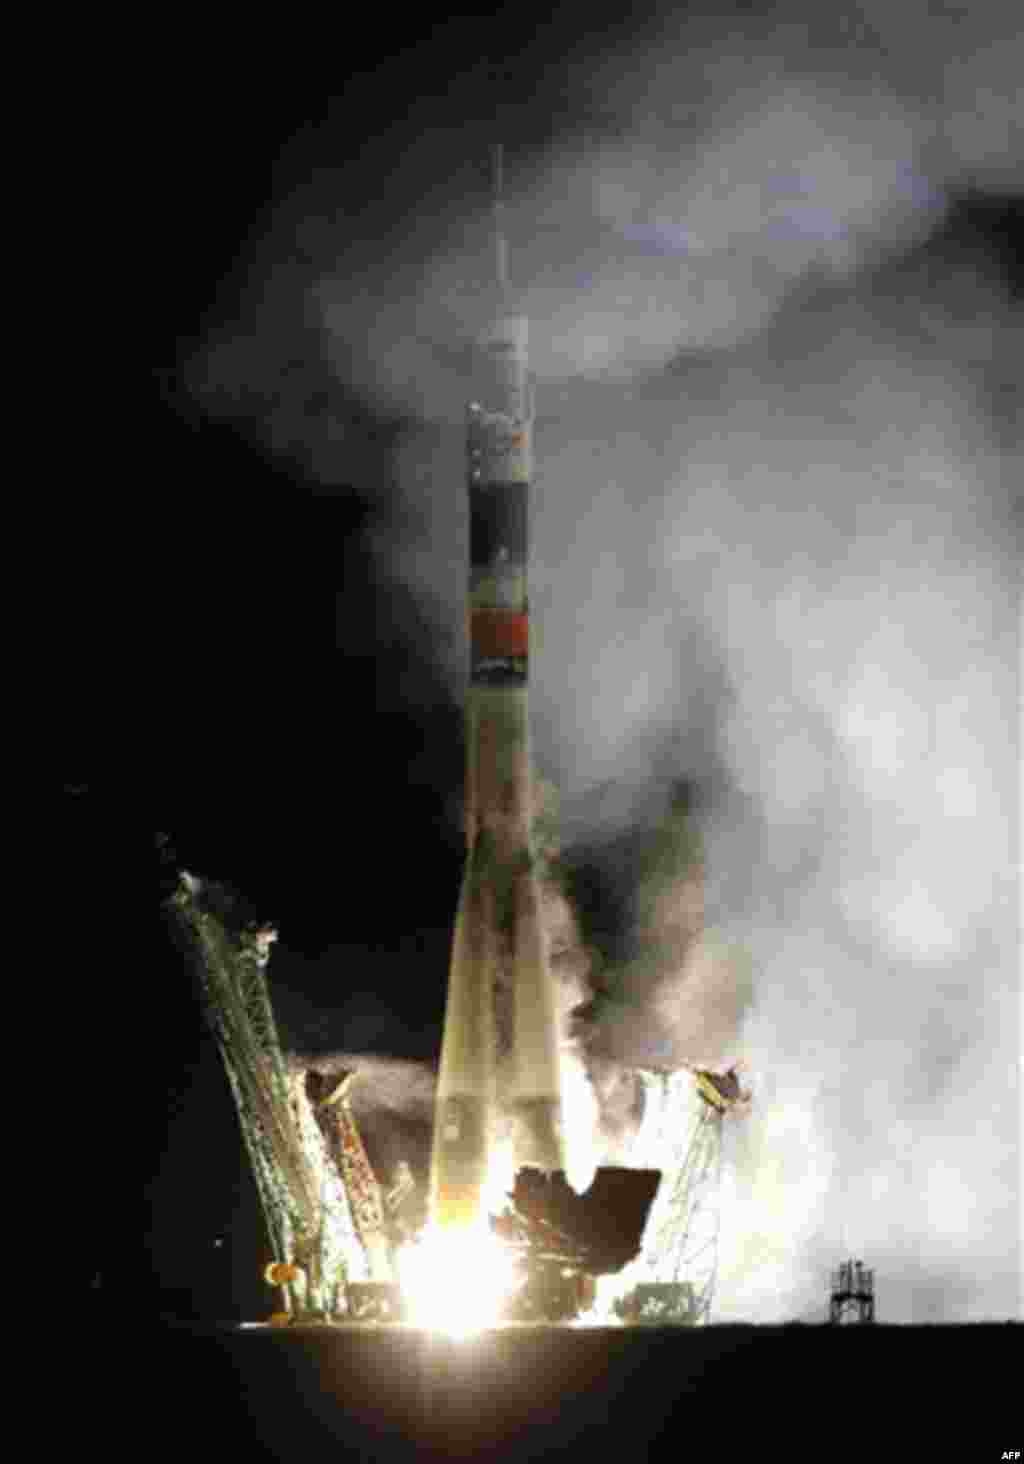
<point>456,1280</point>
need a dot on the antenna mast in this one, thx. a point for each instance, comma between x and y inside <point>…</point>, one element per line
<point>500,242</point>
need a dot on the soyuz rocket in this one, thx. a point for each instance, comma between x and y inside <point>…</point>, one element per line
<point>499,1055</point>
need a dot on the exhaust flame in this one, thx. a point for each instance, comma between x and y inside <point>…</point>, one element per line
<point>581,1119</point>
<point>457,1280</point>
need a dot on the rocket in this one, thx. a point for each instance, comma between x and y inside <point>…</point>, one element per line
<point>499,1055</point>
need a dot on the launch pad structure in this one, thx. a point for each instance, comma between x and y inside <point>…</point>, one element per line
<point>309,1208</point>
<point>673,1277</point>
<point>328,1219</point>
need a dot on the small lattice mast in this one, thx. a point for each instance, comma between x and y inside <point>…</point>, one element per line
<point>852,1299</point>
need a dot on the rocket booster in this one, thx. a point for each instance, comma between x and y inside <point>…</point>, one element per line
<point>500,1048</point>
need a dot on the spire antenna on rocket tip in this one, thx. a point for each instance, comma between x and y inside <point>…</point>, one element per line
<point>500,242</point>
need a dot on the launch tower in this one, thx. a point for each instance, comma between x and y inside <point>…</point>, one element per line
<point>673,1278</point>
<point>314,1240</point>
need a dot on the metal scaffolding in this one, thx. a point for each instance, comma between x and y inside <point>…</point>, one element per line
<point>673,1278</point>
<point>308,1216</point>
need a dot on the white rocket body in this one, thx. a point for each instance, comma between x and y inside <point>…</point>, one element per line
<point>500,1054</point>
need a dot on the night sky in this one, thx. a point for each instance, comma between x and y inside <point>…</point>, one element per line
<point>262,645</point>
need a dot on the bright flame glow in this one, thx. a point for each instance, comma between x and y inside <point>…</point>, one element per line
<point>580,1122</point>
<point>457,1280</point>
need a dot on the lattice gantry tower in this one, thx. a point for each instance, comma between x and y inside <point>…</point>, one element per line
<point>673,1278</point>
<point>309,1219</point>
